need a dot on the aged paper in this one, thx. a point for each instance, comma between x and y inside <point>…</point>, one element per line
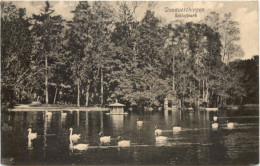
<point>129,83</point>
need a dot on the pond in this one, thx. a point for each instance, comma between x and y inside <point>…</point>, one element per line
<point>196,143</point>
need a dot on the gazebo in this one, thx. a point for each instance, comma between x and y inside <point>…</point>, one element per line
<point>116,108</point>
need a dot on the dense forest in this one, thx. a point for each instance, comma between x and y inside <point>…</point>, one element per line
<point>103,54</point>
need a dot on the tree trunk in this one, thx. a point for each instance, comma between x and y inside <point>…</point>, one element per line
<point>46,81</point>
<point>87,95</point>
<point>173,73</point>
<point>54,100</point>
<point>101,90</point>
<point>78,99</point>
<point>203,90</point>
<point>190,86</point>
<point>207,93</point>
<point>199,91</point>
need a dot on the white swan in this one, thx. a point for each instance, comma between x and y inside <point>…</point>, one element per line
<point>176,129</point>
<point>157,131</point>
<point>63,114</point>
<point>139,122</point>
<point>214,125</point>
<point>78,146</point>
<point>48,113</point>
<point>31,135</point>
<point>74,137</point>
<point>215,118</point>
<point>160,139</point>
<point>230,125</point>
<point>104,139</point>
<point>123,143</point>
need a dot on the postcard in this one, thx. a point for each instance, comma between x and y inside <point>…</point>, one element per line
<point>129,83</point>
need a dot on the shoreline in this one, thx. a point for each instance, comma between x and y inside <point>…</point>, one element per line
<point>43,107</point>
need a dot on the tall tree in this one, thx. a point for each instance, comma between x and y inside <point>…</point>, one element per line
<point>197,49</point>
<point>89,45</point>
<point>16,48</point>
<point>243,84</point>
<point>139,51</point>
<point>229,35</point>
<point>47,30</point>
<point>79,43</point>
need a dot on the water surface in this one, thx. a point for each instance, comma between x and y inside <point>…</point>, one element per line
<point>196,143</point>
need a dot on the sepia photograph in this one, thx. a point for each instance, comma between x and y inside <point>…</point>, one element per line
<point>129,83</point>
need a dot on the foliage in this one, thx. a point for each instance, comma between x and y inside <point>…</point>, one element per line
<point>16,48</point>
<point>102,55</point>
<point>47,32</point>
<point>88,45</point>
<point>244,86</point>
<point>196,49</point>
<point>229,35</point>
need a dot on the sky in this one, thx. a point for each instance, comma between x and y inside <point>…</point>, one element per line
<point>244,12</point>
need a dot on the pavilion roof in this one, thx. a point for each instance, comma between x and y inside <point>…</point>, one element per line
<point>116,105</point>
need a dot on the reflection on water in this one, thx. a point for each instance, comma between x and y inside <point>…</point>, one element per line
<point>192,141</point>
<point>117,121</point>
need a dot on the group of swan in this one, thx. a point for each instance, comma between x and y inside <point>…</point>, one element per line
<point>76,137</point>
<point>214,125</point>
<point>175,129</point>
<point>103,139</point>
<point>158,133</point>
<point>107,139</point>
<point>121,143</point>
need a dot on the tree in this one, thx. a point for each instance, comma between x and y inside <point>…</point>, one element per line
<point>16,48</point>
<point>47,32</point>
<point>124,37</point>
<point>88,48</point>
<point>137,75</point>
<point>244,84</point>
<point>197,55</point>
<point>229,35</point>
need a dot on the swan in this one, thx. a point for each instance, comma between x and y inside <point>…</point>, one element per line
<point>74,137</point>
<point>214,125</point>
<point>157,131</point>
<point>230,125</point>
<point>63,114</point>
<point>160,139</point>
<point>176,128</point>
<point>139,122</point>
<point>215,118</point>
<point>104,139</point>
<point>31,135</point>
<point>123,143</point>
<point>78,146</point>
<point>49,114</point>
